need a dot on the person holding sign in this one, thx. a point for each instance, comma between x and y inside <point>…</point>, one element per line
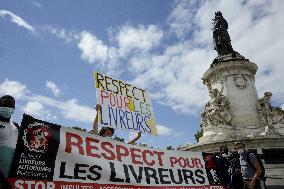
<point>108,131</point>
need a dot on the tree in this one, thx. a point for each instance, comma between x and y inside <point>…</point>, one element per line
<point>170,147</point>
<point>198,134</point>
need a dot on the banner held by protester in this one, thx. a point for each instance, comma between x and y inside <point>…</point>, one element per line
<point>55,157</point>
<point>124,106</point>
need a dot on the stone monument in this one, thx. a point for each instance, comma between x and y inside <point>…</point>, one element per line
<point>234,111</point>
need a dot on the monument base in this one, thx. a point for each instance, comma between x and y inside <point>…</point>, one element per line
<point>226,58</point>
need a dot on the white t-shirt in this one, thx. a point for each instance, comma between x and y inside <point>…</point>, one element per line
<point>8,134</point>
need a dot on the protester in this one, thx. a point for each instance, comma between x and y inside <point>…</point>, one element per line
<point>8,137</point>
<point>252,170</point>
<point>224,167</point>
<point>211,168</point>
<point>108,131</point>
<point>237,178</point>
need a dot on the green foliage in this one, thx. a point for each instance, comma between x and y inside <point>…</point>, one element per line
<point>170,147</point>
<point>198,134</point>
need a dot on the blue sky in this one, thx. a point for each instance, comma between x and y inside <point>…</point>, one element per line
<point>49,50</point>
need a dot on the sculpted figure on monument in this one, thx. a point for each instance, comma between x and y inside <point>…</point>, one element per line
<point>217,110</point>
<point>221,38</point>
<point>240,81</point>
<point>269,115</point>
<point>277,116</point>
<point>265,110</point>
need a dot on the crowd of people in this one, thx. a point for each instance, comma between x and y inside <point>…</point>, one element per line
<point>240,169</point>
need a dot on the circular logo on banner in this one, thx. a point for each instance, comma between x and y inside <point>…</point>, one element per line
<point>36,137</point>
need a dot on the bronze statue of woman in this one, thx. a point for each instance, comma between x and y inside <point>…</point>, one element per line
<point>221,37</point>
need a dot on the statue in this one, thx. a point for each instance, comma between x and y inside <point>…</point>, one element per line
<point>265,110</point>
<point>277,116</point>
<point>222,41</point>
<point>217,110</point>
<point>269,115</point>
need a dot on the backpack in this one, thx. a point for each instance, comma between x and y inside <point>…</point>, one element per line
<point>259,162</point>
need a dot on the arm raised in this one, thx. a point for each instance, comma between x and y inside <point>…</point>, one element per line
<point>96,121</point>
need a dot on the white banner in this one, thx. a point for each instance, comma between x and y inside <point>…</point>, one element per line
<point>49,156</point>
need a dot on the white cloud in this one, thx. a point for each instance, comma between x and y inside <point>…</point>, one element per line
<point>173,73</point>
<point>182,18</point>
<point>17,20</point>
<point>92,49</point>
<point>37,109</point>
<point>70,109</point>
<point>163,130</point>
<point>13,88</point>
<point>127,39</point>
<point>142,38</point>
<point>53,88</point>
<point>174,77</point>
<point>33,107</point>
<point>67,36</point>
<point>40,105</point>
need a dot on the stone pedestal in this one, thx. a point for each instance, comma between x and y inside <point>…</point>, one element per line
<point>234,111</point>
<point>237,77</point>
<point>231,85</point>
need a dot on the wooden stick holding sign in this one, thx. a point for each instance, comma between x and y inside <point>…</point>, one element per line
<point>124,106</point>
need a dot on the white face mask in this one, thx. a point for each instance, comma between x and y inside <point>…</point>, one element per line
<point>225,155</point>
<point>241,151</point>
<point>6,112</point>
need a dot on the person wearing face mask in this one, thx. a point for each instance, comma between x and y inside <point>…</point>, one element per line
<point>251,168</point>
<point>108,131</point>
<point>8,136</point>
<point>224,167</point>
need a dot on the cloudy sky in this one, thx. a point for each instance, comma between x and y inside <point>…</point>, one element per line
<point>49,50</point>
